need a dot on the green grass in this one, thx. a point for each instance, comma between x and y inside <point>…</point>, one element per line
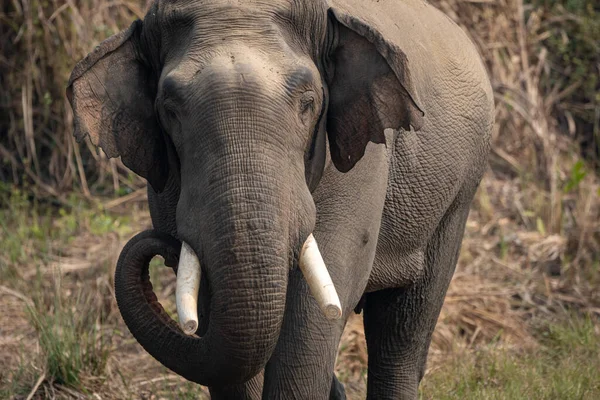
<point>70,337</point>
<point>69,319</point>
<point>73,349</point>
<point>565,366</point>
<point>18,381</point>
<point>30,232</point>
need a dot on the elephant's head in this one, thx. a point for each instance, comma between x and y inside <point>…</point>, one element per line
<point>235,100</point>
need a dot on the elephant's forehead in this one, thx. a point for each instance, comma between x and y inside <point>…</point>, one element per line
<point>240,66</point>
<point>304,17</point>
<point>270,40</point>
<point>247,9</point>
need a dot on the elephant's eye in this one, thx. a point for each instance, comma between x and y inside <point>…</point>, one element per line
<point>307,102</point>
<point>168,117</point>
<point>165,116</point>
<point>170,114</point>
<point>307,107</point>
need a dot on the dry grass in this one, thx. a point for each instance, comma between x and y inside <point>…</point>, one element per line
<point>495,298</point>
<point>531,251</point>
<point>40,41</point>
<point>538,192</point>
<point>62,335</point>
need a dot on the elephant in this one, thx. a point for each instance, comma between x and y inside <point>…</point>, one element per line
<point>258,123</point>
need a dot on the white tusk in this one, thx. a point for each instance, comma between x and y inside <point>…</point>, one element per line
<point>186,292</point>
<point>315,272</point>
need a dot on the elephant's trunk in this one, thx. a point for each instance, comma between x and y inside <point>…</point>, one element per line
<point>246,309</point>
<point>245,210</point>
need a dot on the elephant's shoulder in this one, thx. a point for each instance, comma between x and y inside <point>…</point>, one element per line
<point>418,29</point>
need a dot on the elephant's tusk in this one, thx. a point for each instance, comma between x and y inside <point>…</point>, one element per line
<point>186,292</point>
<point>318,279</point>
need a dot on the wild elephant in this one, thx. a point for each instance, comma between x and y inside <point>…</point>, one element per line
<point>259,123</point>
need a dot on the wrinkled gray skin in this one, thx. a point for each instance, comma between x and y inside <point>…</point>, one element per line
<point>259,122</point>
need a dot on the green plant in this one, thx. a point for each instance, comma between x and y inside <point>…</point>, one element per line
<point>564,367</point>
<point>29,231</point>
<point>17,381</point>
<point>578,172</point>
<point>70,336</point>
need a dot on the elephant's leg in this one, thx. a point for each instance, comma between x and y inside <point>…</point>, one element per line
<point>302,365</point>
<point>337,390</point>
<point>251,390</point>
<point>399,322</point>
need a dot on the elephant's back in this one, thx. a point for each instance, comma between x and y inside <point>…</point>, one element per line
<point>435,46</point>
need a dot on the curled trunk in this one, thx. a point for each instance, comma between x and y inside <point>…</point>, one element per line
<point>242,332</point>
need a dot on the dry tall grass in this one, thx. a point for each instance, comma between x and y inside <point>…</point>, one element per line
<point>533,240</point>
<point>40,41</point>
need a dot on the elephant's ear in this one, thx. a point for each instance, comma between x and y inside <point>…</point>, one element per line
<point>370,89</point>
<point>112,93</point>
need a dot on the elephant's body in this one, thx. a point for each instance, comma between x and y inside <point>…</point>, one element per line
<point>389,226</point>
<point>432,177</point>
<point>428,169</point>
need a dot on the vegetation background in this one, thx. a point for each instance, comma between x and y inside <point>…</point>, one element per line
<point>522,316</point>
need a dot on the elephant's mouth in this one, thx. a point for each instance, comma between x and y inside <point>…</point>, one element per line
<point>188,272</point>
